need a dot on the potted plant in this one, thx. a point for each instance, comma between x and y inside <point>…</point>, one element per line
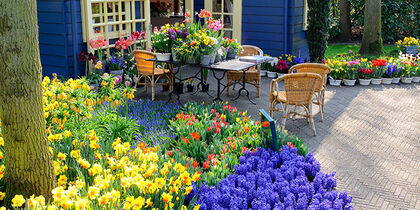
<point>335,75</point>
<point>350,75</point>
<point>271,73</point>
<point>98,45</point>
<point>233,47</point>
<point>206,56</point>
<point>387,74</point>
<point>190,85</point>
<point>162,45</point>
<point>378,66</point>
<point>416,77</point>
<point>406,73</point>
<point>116,65</point>
<point>365,76</point>
<point>396,75</point>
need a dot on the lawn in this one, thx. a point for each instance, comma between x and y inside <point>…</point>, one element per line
<point>337,49</point>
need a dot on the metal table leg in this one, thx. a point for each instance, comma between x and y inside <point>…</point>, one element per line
<point>219,84</point>
<point>243,88</point>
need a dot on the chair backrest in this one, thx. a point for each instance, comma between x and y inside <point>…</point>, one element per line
<point>300,87</point>
<point>250,50</point>
<point>143,66</point>
<point>317,68</point>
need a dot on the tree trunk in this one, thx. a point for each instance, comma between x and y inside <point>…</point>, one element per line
<point>372,34</point>
<point>29,165</point>
<point>345,24</point>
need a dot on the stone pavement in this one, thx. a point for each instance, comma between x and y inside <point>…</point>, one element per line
<point>370,137</point>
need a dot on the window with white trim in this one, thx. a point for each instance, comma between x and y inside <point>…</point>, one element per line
<point>113,19</point>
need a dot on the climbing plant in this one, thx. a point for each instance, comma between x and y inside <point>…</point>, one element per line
<point>319,24</point>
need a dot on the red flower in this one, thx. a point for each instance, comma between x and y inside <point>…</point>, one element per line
<point>195,135</point>
<point>290,144</point>
<point>142,145</point>
<point>195,164</point>
<point>214,161</point>
<point>265,124</point>
<point>244,149</point>
<point>210,156</point>
<point>217,130</point>
<point>213,111</point>
<point>170,153</point>
<point>186,140</point>
<point>206,164</point>
<point>186,165</point>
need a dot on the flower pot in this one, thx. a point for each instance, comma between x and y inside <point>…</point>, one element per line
<point>396,80</point>
<point>364,82</point>
<point>263,73</point>
<point>190,88</point>
<point>232,53</point>
<point>387,81</point>
<point>335,82</point>
<point>376,81</point>
<point>407,80</point>
<point>192,60</point>
<point>212,58</point>
<point>218,58</point>
<point>117,72</point>
<point>416,79</point>
<point>349,82</point>
<point>179,87</point>
<point>163,56</point>
<point>224,55</point>
<point>174,58</point>
<point>205,87</point>
<point>205,60</point>
<point>271,74</point>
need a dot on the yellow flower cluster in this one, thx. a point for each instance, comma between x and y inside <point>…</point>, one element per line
<point>407,41</point>
<point>131,179</point>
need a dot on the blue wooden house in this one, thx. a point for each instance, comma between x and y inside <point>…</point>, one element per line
<point>65,26</point>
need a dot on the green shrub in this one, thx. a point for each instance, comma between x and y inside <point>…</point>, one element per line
<point>319,24</point>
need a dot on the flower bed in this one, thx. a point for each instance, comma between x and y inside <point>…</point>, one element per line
<point>108,153</point>
<point>270,180</point>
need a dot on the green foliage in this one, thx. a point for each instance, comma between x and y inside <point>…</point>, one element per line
<point>400,18</point>
<point>292,141</point>
<point>319,24</point>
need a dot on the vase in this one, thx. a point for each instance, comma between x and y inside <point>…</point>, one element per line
<point>396,80</point>
<point>179,87</point>
<point>349,82</point>
<point>407,80</point>
<point>212,58</point>
<point>387,81</point>
<point>416,79</point>
<point>205,60</point>
<point>163,56</point>
<point>218,58</point>
<point>271,74</point>
<point>174,58</point>
<point>224,55</point>
<point>376,81</point>
<point>364,82</point>
<point>263,73</point>
<point>232,53</point>
<point>335,82</point>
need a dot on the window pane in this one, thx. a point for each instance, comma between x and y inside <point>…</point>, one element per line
<point>228,5</point>
<point>228,21</point>
<point>217,5</point>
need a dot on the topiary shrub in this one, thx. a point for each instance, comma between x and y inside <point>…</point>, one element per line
<point>319,24</point>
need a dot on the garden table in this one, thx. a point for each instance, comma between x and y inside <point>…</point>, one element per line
<point>224,66</point>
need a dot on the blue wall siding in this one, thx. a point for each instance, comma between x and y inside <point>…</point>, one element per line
<point>263,26</point>
<point>60,37</point>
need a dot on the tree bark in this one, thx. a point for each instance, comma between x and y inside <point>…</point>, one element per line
<point>29,165</point>
<point>345,24</point>
<point>372,32</point>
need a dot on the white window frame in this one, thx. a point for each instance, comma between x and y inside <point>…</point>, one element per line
<point>129,21</point>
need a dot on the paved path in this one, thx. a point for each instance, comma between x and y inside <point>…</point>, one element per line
<point>370,137</point>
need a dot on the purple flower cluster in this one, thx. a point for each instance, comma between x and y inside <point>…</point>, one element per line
<point>271,180</point>
<point>174,33</point>
<point>392,69</point>
<point>116,63</point>
<point>152,118</point>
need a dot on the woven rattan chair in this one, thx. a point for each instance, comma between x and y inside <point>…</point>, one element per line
<point>321,69</point>
<point>150,73</point>
<point>299,90</point>
<point>252,76</point>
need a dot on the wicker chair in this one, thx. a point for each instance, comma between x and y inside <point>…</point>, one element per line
<point>321,69</point>
<point>150,73</point>
<point>299,90</point>
<point>252,76</point>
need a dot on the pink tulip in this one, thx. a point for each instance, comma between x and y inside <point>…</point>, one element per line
<point>127,83</point>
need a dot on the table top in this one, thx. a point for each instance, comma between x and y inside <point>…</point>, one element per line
<point>231,65</point>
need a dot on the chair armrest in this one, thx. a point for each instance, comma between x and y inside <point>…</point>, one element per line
<point>274,84</point>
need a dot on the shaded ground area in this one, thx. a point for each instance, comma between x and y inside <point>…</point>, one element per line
<point>370,137</point>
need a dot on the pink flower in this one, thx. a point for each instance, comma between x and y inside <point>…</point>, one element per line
<point>116,80</point>
<point>92,44</point>
<point>129,41</point>
<point>100,42</point>
<point>118,45</point>
<point>127,83</point>
<point>155,30</point>
<point>350,51</point>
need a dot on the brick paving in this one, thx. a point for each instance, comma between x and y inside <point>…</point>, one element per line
<point>370,137</point>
